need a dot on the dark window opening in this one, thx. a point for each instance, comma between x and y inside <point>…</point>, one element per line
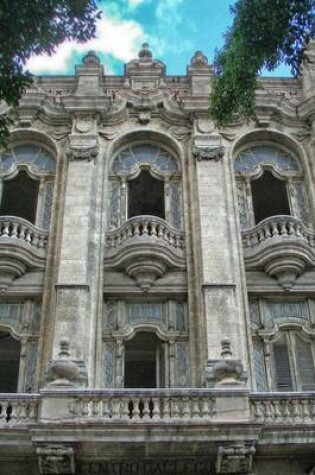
<point>9,363</point>
<point>19,197</point>
<point>269,197</point>
<point>146,196</point>
<point>282,363</point>
<point>143,361</point>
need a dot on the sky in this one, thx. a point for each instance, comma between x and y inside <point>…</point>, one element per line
<point>174,29</point>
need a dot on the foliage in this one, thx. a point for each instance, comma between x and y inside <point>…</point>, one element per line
<point>33,27</point>
<point>264,33</point>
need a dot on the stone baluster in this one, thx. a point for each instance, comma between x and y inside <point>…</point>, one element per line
<point>35,240</point>
<point>205,407</point>
<point>136,229</point>
<point>175,408</point>
<point>166,411</point>
<point>28,236</point>
<point>14,232</point>
<point>254,237</point>
<point>267,231</point>
<point>274,228</point>
<point>195,408</point>
<point>5,231</point>
<point>261,235</point>
<point>186,408</point>
<point>116,408</point>
<point>156,412</point>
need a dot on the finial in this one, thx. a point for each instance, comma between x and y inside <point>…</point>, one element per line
<point>226,350</point>
<point>145,52</point>
<point>91,58</point>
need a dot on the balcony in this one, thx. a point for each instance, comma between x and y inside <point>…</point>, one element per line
<point>119,425</point>
<point>282,246</point>
<point>22,246</point>
<point>145,248</point>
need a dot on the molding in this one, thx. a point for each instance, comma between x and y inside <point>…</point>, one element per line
<point>84,153</point>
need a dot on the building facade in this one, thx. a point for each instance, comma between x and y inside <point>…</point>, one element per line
<point>157,276</point>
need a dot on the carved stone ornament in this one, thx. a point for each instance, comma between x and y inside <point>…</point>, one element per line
<point>227,371</point>
<point>56,460</point>
<point>199,60</point>
<point>215,152</point>
<point>63,371</point>
<point>75,154</point>
<point>236,458</point>
<point>91,58</point>
<point>144,117</point>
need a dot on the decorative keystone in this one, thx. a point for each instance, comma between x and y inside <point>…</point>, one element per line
<point>236,458</point>
<point>63,371</point>
<point>215,153</point>
<point>227,371</point>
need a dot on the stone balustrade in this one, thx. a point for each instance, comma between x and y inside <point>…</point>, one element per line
<point>277,226</point>
<point>283,408</point>
<point>15,228</point>
<point>145,227</point>
<point>144,405</point>
<point>156,406</point>
<point>18,408</point>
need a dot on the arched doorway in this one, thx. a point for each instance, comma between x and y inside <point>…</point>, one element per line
<point>144,361</point>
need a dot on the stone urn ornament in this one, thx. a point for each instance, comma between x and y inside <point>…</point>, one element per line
<point>227,371</point>
<point>63,371</point>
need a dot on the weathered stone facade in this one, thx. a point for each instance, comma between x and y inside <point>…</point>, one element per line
<point>157,276</point>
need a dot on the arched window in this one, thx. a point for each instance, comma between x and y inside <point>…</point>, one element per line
<point>145,180</point>
<point>269,183</point>
<point>269,197</point>
<point>293,363</point>
<point>9,363</point>
<point>146,196</point>
<point>283,344</point>
<point>27,180</point>
<point>144,362</point>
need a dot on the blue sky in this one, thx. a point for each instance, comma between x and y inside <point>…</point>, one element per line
<point>175,29</point>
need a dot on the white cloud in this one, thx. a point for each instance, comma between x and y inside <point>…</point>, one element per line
<point>166,10</point>
<point>117,37</point>
<point>135,3</point>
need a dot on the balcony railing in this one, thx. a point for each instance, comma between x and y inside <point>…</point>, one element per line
<point>144,405</point>
<point>18,408</point>
<point>283,408</point>
<point>145,227</point>
<point>157,406</point>
<point>287,227</point>
<point>14,228</point>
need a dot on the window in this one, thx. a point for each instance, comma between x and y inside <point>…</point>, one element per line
<point>27,179</point>
<point>283,344</point>
<point>145,180</point>
<point>269,197</point>
<point>293,363</point>
<point>9,363</point>
<point>146,196</point>
<point>144,362</point>
<point>19,197</point>
<point>269,183</point>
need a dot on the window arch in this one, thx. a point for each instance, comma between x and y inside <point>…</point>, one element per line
<point>269,182</point>
<point>27,179</point>
<point>145,179</point>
